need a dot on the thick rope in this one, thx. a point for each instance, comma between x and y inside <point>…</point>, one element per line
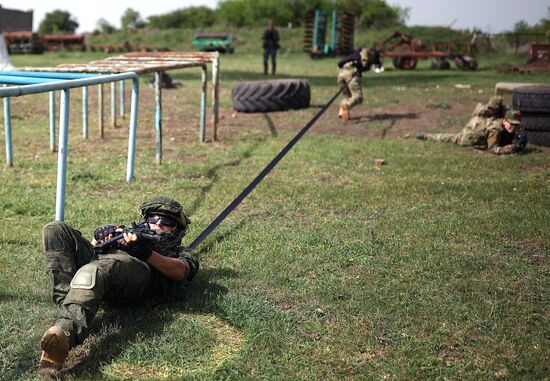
<point>261,176</point>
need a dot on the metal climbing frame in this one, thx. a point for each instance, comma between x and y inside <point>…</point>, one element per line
<point>27,84</point>
<point>157,63</point>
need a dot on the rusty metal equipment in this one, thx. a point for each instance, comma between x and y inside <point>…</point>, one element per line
<point>57,42</point>
<point>28,82</point>
<point>405,52</point>
<point>23,42</point>
<point>539,52</point>
<point>126,47</point>
<point>157,63</point>
<point>319,41</point>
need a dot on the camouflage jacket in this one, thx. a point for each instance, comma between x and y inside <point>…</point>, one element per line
<point>499,141</point>
<point>488,134</point>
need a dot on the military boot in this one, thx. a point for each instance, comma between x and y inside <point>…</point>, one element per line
<point>344,112</point>
<point>55,344</point>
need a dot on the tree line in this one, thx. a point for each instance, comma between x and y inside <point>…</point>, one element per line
<point>237,13</point>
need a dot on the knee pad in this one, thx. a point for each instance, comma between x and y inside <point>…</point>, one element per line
<point>54,236</point>
<point>85,277</point>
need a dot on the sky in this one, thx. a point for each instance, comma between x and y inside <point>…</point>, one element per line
<point>491,16</point>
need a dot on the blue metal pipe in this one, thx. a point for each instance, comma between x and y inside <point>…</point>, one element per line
<point>16,91</point>
<point>52,121</point>
<point>64,86</point>
<point>62,155</point>
<point>158,116</point>
<point>113,104</point>
<point>132,130</point>
<point>7,128</point>
<point>122,99</point>
<point>100,110</point>
<point>42,74</point>
<point>15,80</point>
<point>85,112</point>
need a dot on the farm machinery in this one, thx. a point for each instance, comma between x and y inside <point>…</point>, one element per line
<point>325,39</point>
<point>405,52</point>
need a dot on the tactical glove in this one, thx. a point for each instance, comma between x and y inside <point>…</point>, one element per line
<point>140,249</point>
<point>103,232</point>
<point>520,143</point>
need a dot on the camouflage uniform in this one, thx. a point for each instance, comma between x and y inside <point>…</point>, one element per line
<point>349,77</point>
<point>483,131</point>
<point>81,280</point>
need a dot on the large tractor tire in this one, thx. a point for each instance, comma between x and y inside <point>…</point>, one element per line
<point>405,63</point>
<point>532,99</point>
<point>535,121</point>
<point>539,138</point>
<point>464,62</point>
<point>272,95</point>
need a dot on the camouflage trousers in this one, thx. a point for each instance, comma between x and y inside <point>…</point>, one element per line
<point>446,137</point>
<point>353,94</point>
<point>80,281</point>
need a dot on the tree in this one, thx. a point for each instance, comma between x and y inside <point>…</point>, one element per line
<point>104,26</point>
<point>191,17</point>
<point>378,14</point>
<point>521,27</point>
<point>57,22</point>
<point>131,19</point>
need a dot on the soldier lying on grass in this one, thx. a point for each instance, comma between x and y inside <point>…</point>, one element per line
<point>133,269</point>
<point>490,128</point>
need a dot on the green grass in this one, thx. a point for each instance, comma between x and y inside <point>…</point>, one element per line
<point>433,266</point>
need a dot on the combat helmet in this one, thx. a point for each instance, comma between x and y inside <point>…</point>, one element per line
<point>495,102</point>
<point>165,206</point>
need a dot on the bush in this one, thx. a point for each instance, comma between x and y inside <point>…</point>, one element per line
<point>192,17</point>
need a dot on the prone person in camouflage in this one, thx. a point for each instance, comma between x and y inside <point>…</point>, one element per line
<point>134,270</point>
<point>349,77</point>
<point>490,128</point>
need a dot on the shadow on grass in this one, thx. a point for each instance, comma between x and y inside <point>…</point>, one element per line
<point>202,296</point>
<point>212,174</point>
<point>270,125</point>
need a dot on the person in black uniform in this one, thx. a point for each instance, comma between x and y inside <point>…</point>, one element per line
<point>270,39</point>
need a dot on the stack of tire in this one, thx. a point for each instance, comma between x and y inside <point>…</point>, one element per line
<point>533,102</point>
<point>271,95</point>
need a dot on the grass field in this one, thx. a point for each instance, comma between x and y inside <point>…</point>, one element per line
<point>433,266</point>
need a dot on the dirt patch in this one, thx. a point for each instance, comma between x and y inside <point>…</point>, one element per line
<point>393,121</point>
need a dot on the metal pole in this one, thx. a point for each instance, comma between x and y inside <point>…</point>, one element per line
<point>215,96</point>
<point>7,129</point>
<point>100,110</point>
<point>62,155</point>
<point>158,116</point>
<point>45,84</point>
<point>85,112</point>
<point>113,104</point>
<point>132,130</point>
<point>202,128</point>
<point>52,121</point>
<point>122,99</point>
